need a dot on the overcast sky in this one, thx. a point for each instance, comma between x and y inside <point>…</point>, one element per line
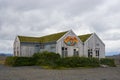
<point>42,17</point>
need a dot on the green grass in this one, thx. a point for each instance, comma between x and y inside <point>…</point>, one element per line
<point>2,61</point>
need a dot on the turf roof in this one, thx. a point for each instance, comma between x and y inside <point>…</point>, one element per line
<point>50,38</point>
<point>43,39</point>
<point>28,39</point>
<point>83,38</point>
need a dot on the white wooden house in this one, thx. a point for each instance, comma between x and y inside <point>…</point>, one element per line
<point>65,43</point>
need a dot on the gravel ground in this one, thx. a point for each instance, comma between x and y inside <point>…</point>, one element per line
<point>36,73</point>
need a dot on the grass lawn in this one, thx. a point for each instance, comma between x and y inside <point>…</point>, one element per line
<point>2,60</point>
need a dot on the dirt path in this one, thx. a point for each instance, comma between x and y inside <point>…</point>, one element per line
<point>36,73</point>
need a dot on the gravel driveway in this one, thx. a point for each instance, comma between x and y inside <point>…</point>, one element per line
<point>36,73</point>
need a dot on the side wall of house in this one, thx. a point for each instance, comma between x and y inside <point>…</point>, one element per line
<point>28,49</point>
<point>94,43</point>
<point>16,47</point>
<point>100,45</point>
<point>60,44</point>
<point>50,47</point>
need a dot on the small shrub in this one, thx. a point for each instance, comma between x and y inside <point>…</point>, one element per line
<point>78,62</point>
<point>46,58</point>
<point>54,60</point>
<point>10,61</point>
<point>107,61</point>
<point>19,61</point>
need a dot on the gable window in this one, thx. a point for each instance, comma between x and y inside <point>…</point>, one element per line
<point>90,53</point>
<point>75,52</point>
<point>97,44</point>
<point>64,52</point>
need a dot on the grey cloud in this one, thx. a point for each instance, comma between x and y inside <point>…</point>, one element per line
<point>81,6</point>
<point>114,7</point>
<point>112,35</point>
<point>71,7</point>
<point>4,46</point>
<point>115,36</point>
<point>25,5</point>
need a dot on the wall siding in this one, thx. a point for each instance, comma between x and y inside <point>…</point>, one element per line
<point>28,49</point>
<point>60,44</point>
<point>49,47</point>
<point>92,43</point>
<point>16,47</point>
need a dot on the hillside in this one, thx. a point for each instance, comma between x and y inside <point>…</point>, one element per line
<point>5,54</point>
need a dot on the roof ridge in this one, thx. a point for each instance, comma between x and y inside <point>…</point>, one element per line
<point>27,36</point>
<point>53,34</point>
<point>42,36</point>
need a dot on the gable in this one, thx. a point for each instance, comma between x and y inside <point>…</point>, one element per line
<point>98,39</point>
<point>70,36</point>
<point>43,39</point>
<point>83,38</point>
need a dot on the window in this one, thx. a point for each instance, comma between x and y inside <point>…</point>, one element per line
<point>37,48</point>
<point>64,52</point>
<point>97,44</point>
<point>75,52</point>
<point>52,46</point>
<point>97,52</point>
<point>41,46</point>
<point>18,53</point>
<point>36,45</point>
<point>90,53</point>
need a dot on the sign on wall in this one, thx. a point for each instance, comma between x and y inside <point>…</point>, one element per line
<point>70,40</point>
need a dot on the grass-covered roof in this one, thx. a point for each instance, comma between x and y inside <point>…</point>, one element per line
<point>28,39</point>
<point>50,38</point>
<point>83,38</point>
<point>43,39</point>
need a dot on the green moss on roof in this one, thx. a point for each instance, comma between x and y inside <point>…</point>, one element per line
<point>28,39</point>
<point>83,38</point>
<point>52,37</point>
<point>43,39</point>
